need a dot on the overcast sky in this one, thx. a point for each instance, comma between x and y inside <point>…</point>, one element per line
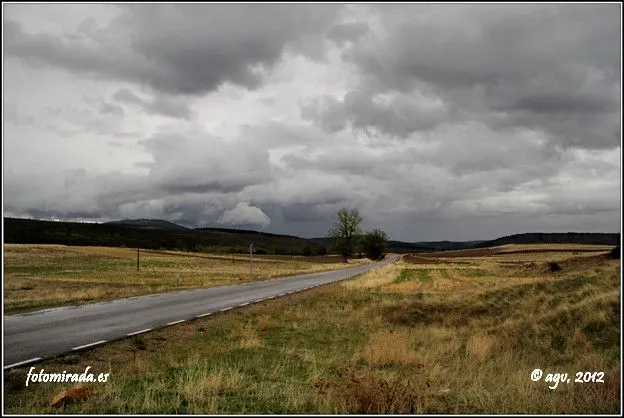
<point>445,121</point>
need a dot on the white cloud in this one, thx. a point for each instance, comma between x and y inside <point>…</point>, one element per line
<point>244,214</point>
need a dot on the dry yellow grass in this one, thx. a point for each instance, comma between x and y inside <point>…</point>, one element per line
<point>479,345</point>
<point>250,338</point>
<point>375,278</point>
<point>388,349</point>
<point>41,276</point>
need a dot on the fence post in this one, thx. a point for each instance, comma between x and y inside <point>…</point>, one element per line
<point>250,261</point>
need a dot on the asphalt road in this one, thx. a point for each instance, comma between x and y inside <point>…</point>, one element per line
<point>32,337</point>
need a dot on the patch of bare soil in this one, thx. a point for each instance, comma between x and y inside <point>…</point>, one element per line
<point>554,250</point>
<point>475,252</point>
<point>415,259</point>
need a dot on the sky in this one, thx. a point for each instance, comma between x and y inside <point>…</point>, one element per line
<point>436,121</point>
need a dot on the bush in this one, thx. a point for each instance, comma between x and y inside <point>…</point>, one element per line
<point>374,243</point>
<point>615,253</point>
<point>554,266</point>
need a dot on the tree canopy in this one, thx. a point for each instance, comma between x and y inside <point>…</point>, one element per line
<point>346,231</point>
<point>374,244</point>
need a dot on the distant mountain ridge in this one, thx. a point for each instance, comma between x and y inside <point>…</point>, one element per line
<point>449,245</point>
<point>588,238</point>
<point>143,222</point>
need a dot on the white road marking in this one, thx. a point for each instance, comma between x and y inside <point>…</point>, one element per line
<point>80,347</point>
<point>281,294</point>
<point>176,322</point>
<point>206,314</point>
<point>139,332</point>
<point>225,309</point>
<point>244,304</point>
<point>259,300</point>
<point>22,363</point>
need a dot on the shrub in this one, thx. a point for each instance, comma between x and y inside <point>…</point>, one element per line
<point>554,266</point>
<point>615,253</point>
<point>374,243</point>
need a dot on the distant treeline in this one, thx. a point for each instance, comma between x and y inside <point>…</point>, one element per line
<point>26,231</point>
<point>159,234</point>
<point>393,246</point>
<point>587,238</point>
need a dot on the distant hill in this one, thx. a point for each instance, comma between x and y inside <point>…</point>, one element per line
<point>148,223</point>
<point>448,245</point>
<point>393,246</point>
<point>587,238</point>
<point>245,232</point>
<point>402,247</point>
<point>154,234</point>
<point>161,234</point>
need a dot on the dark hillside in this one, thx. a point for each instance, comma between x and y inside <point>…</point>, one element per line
<point>148,223</point>
<point>587,238</point>
<point>152,236</point>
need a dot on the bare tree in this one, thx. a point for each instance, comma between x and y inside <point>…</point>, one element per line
<point>346,232</point>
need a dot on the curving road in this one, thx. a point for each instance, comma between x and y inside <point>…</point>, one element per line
<point>32,337</point>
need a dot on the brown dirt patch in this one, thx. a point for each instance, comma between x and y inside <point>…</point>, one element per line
<point>415,259</point>
<point>475,252</point>
<point>553,250</point>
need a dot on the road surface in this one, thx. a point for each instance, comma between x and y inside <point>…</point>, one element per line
<point>32,337</point>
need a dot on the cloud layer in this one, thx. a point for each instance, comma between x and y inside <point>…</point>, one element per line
<point>437,121</point>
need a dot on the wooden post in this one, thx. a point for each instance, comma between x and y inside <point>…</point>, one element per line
<point>250,261</point>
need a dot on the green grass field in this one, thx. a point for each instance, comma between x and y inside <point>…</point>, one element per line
<point>448,338</point>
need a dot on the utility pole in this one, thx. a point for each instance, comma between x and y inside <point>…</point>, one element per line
<point>250,260</point>
<point>137,259</point>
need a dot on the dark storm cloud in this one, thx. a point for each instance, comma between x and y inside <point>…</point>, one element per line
<point>348,32</point>
<point>558,103</point>
<point>400,116</point>
<point>185,49</point>
<point>436,121</point>
<point>540,67</point>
